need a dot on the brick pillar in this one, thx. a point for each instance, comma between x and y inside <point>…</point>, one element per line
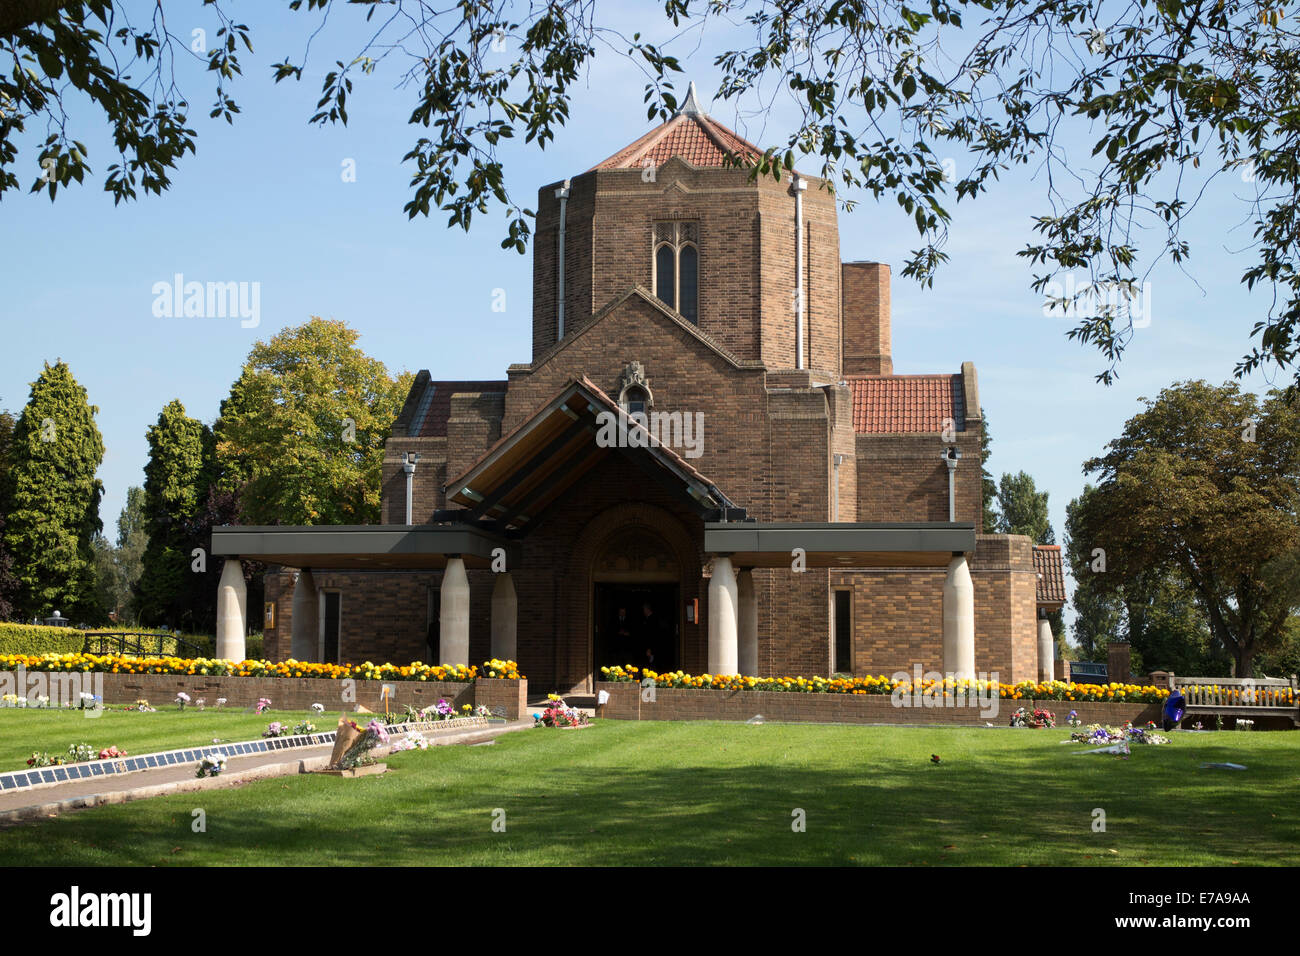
<point>1119,661</point>
<point>864,291</point>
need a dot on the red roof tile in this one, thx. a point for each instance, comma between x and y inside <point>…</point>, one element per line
<point>431,415</point>
<point>695,137</point>
<point>890,404</point>
<point>1051,574</point>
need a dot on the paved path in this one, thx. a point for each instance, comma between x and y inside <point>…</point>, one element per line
<point>52,799</point>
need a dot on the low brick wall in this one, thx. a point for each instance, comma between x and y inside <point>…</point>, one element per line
<point>626,703</point>
<point>510,695</point>
<point>299,693</point>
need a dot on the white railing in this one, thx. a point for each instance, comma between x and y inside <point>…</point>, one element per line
<point>1238,693</point>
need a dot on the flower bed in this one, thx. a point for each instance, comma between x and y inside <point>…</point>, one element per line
<point>1038,717</point>
<point>1024,690</point>
<point>630,701</point>
<point>1101,736</point>
<point>77,753</point>
<point>208,667</point>
<point>442,710</point>
<point>559,714</point>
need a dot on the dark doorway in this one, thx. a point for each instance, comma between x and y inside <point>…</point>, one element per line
<point>843,632</point>
<point>636,624</point>
<point>333,617</point>
<point>433,624</point>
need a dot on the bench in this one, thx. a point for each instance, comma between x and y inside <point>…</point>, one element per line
<point>1240,696</point>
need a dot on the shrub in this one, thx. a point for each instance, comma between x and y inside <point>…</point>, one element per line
<point>35,640</point>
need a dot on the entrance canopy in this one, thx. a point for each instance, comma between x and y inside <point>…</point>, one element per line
<point>840,544</point>
<point>382,547</point>
<point>510,486</point>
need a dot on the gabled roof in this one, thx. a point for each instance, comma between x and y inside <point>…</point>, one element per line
<point>428,405</point>
<point>1050,573</point>
<point>519,476</point>
<point>636,291</point>
<point>894,404</point>
<point>690,133</point>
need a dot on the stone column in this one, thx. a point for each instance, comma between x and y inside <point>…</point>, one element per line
<point>722,617</point>
<point>232,612</point>
<point>453,617</point>
<point>505,615</point>
<point>959,620</point>
<point>304,638</point>
<point>1046,650</point>
<point>747,658</point>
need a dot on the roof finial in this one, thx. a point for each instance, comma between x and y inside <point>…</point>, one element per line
<point>692,105</point>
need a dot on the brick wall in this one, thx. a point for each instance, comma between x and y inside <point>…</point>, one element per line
<point>627,702</point>
<point>866,310</point>
<point>426,486</point>
<point>898,613</point>
<point>747,254</point>
<point>473,428</point>
<point>294,693</point>
<point>903,478</point>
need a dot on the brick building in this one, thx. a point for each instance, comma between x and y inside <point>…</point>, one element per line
<point>708,464</point>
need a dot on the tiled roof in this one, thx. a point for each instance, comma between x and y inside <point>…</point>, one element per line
<point>435,405</point>
<point>1051,574</point>
<point>891,404</point>
<point>691,134</point>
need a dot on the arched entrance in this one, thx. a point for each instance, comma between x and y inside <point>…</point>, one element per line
<point>625,555</point>
<point>636,581</point>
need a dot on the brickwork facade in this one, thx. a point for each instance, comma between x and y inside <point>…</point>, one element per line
<point>785,443</point>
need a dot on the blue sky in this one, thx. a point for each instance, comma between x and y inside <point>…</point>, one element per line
<point>264,201</point>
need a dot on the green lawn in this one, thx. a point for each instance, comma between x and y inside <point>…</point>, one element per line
<point>713,793</point>
<point>24,730</point>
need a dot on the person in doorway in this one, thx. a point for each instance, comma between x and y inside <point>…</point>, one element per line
<point>651,631</point>
<point>622,628</point>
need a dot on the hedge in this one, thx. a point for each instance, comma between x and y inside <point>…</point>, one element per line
<point>36,639</point>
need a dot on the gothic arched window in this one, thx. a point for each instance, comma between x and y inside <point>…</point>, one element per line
<point>666,274</point>
<point>677,268</point>
<point>688,274</point>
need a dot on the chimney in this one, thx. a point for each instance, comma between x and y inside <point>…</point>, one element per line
<point>865,316</point>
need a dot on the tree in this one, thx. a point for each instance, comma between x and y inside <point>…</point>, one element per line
<point>301,437</point>
<point>132,535</point>
<point>8,583</point>
<point>57,449</point>
<point>1157,612</point>
<point>1204,481</point>
<point>1022,509</point>
<point>118,566</point>
<point>176,482</point>
<point>988,487</point>
<point>1166,627</point>
<point>219,507</point>
<point>1171,96</point>
<point>1098,605</point>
